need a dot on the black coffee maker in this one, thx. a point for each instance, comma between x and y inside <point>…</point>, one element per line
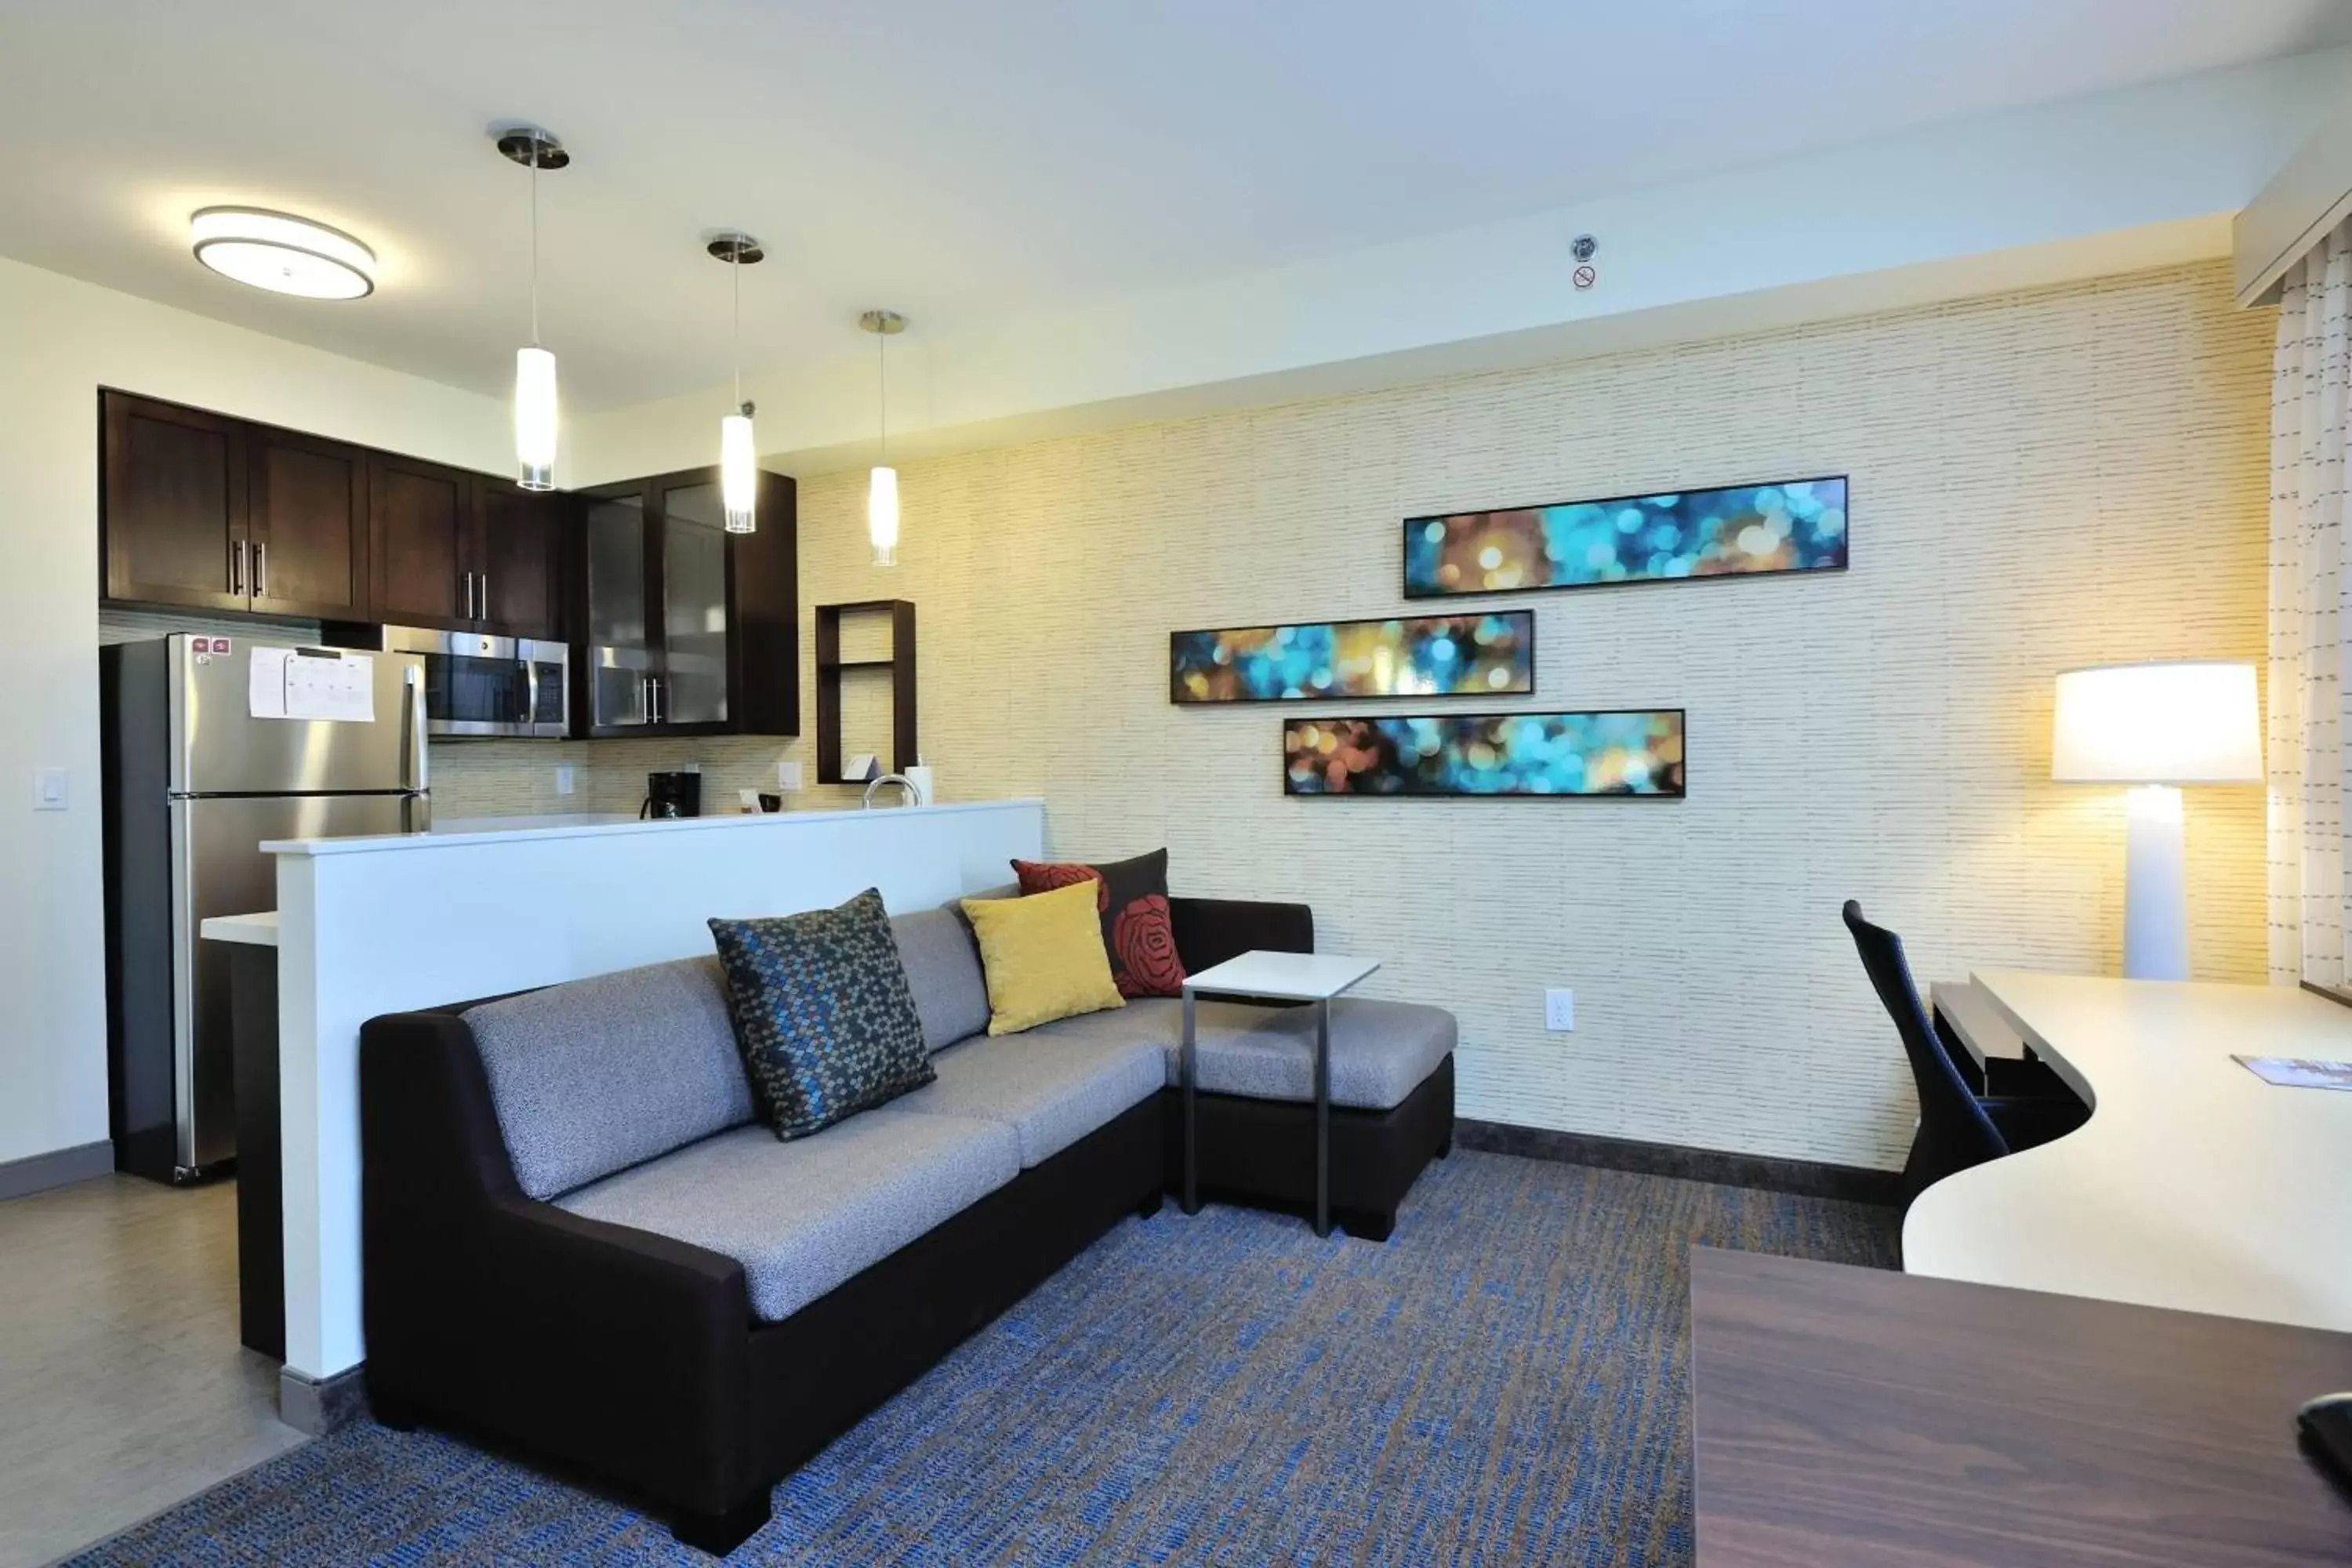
<point>672,794</point>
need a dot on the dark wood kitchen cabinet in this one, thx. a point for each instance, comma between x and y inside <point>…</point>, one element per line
<point>687,629</point>
<point>463,551</point>
<point>215,513</point>
<point>420,517</point>
<point>200,511</point>
<point>306,525</point>
<point>173,497</point>
<point>518,548</point>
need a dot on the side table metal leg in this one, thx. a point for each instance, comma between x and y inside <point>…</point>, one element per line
<point>1322,1117</point>
<point>1192,1203</point>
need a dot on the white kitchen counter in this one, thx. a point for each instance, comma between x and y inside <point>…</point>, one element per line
<point>472,832</point>
<point>255,931</point>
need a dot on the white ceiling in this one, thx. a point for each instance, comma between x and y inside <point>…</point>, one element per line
<point>958,161</point>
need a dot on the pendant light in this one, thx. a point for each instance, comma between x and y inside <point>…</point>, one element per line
<point>534,394</point>
<point>882,485</point>
<point>738,452</point>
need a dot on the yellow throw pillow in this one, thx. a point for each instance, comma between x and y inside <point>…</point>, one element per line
<point>1043,956</point>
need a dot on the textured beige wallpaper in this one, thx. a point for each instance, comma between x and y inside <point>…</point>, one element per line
<point>2039,480</point>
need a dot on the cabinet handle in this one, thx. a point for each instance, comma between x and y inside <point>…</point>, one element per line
<point>483,613</point>
<point>236,568</point>
<point>261,569</point>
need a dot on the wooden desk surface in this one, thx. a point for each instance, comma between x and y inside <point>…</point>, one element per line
<point>1853,1416</point>
<point>2194,1185</point>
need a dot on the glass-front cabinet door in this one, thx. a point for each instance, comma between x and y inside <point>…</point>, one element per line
<point>622,656</point>
<point>659,639</point>
<point>694,607</point>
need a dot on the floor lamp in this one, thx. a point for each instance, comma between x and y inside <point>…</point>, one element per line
<point>2157,726</point>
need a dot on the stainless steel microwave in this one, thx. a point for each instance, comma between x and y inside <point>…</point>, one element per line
<point>490,687</point>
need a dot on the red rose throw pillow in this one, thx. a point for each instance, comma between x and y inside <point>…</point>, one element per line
<point>1131,896</point>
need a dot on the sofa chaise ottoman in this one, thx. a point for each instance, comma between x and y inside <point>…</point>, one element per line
<point>578,1237</point>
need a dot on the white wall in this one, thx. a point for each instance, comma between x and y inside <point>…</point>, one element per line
<point>2058,477</point>
<point>59,341</point>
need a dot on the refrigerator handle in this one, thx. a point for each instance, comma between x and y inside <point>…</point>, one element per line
<point>413,699</point>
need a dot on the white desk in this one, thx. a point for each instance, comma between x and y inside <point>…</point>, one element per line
<point>2194,1185</point>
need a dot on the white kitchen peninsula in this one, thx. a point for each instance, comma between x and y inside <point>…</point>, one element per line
<point>367,926</point>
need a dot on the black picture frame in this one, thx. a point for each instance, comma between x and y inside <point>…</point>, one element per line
<point>1679,790</point>
<point>1425,596</point>
<point>1526,630</point>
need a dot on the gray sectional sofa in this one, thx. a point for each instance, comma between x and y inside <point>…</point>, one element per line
<point>740,1300</point>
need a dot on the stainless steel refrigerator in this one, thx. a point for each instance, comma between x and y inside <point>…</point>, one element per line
<point>200,772</point>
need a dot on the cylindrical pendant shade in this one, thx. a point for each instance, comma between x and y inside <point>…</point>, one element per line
<point>534,418</point>
<point>738,473</point>
<point>882,516</point>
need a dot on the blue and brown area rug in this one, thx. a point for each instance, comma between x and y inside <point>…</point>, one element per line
<point>1506,1380</point>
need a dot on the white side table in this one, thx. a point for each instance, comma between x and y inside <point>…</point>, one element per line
<point>1314,977</point>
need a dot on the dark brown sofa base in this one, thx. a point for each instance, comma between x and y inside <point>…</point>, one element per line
<point>634,1358</point>
<point>1262,1151</point>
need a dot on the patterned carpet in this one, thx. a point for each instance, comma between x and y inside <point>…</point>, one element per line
<point>1503,1382</point>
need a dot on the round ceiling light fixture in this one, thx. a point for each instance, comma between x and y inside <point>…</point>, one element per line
<point>282,253</point>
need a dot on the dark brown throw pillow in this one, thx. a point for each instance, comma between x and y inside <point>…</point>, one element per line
<point>1131,896</point>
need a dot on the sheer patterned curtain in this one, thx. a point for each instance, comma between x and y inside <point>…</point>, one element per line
<point>2311,571</point>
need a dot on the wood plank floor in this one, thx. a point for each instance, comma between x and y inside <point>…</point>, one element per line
<point>122,1387</point>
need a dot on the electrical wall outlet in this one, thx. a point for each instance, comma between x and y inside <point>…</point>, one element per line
<point>567,778</point>
<point>52,790</point>
<point>788,773</point>
<point>1560,1009</point>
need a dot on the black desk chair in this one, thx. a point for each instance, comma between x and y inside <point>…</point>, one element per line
<point>1954,1131</point>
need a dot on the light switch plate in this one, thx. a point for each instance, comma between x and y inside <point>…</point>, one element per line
<point>788,774</point>
<point>567,778</point>
<point>52,789</point>
<point>1560,1009</point>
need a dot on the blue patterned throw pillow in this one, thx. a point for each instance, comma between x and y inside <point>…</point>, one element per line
<point>822,1012</point>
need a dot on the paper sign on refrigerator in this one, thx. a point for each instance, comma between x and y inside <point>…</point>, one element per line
<point>266,682</point>
<point>339,687</point>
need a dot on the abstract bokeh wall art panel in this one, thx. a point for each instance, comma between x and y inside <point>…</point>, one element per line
<point>1431,656</point>
<point>1633,752</point>
<point>1794,525</point>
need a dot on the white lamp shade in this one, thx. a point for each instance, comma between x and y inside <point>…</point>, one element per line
<point>738,473</point>
<point>2180,723</point>
<point>882,516</point>
<point>535,417</point>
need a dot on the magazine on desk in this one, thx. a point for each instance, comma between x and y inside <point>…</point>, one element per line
<point>2298,1072</point>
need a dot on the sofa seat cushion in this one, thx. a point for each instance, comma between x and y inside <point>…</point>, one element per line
<point>804,1216</point>
<point>1051,1092</point>
<point>1381,1051</point>
<point>596,1074</point>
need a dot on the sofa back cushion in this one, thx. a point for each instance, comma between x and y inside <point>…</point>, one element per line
<point>943,971</point>
<point>597,1075</point>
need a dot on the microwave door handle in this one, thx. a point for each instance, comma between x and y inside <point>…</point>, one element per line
<point>530,697</point>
